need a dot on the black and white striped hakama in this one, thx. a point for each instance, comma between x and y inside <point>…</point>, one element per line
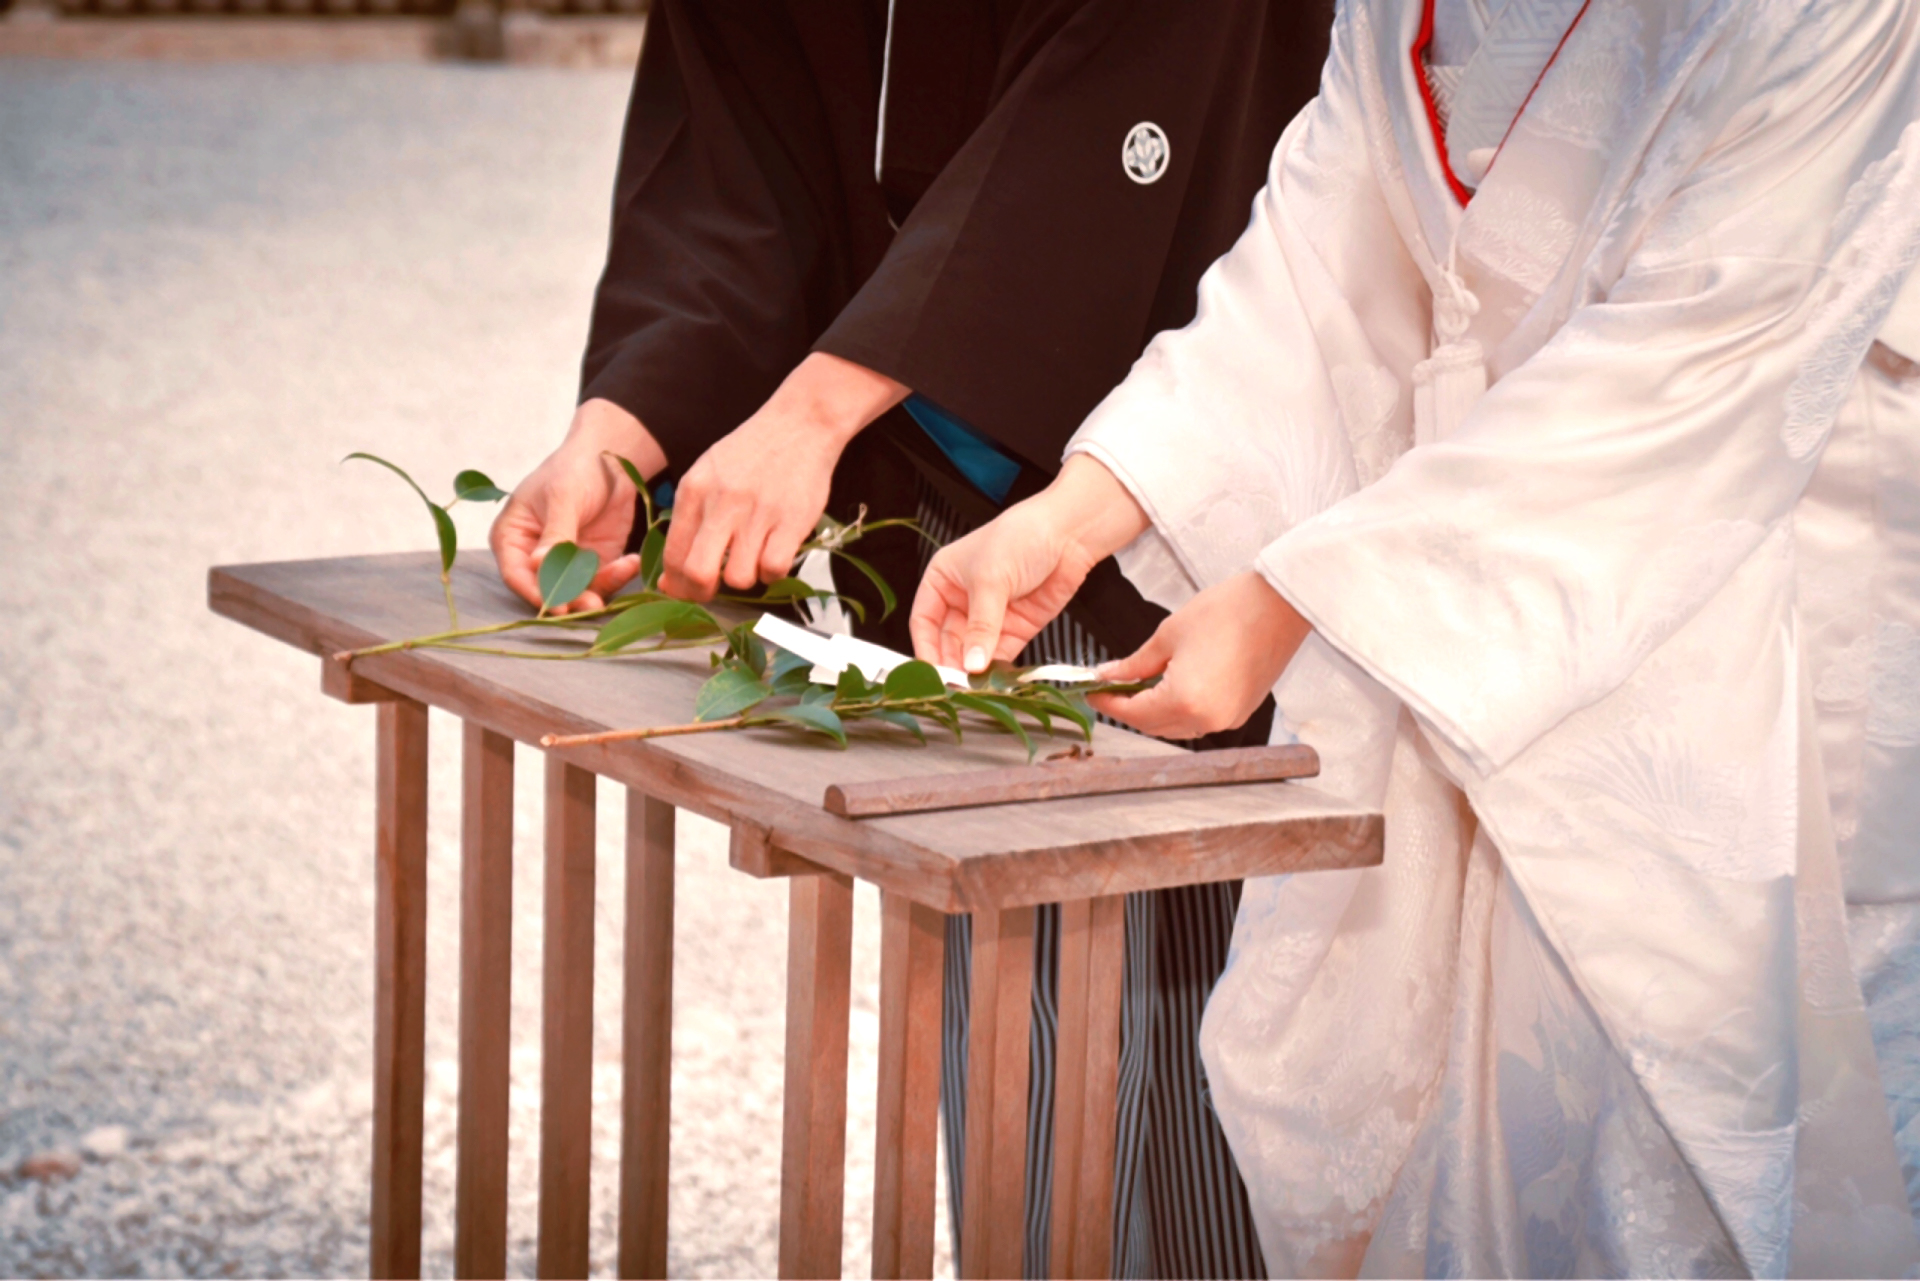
<point>1180,1207</point>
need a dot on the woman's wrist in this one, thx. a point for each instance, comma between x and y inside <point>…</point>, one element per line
<point>1091,509</point>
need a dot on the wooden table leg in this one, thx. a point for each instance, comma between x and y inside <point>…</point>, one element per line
<point>912,955</point>
<point>1000,1023</point>
<point>1093,949</point>
<point>566,1051</point>
<point>486,1002</point>
<point>400,986</point>
<point>813,1154</point>
<point>647,1038</point>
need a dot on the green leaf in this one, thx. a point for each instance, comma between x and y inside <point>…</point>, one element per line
<point>785,664</point>
<point>745,646</point>
<point>905,720</point>
<point>652,618</point>
<point>914,680</point>
<point>1070,704</point>
<point>1032,707</point>
<point>653,553</point>
<point>1000,715</point>
<point>792,682</point>
<point>375,458</point>
<point>449,537</point>
<point>696,624</point>
<point>821,720</point>
<point>565,573</point>
<point>887,599</point>
<point>853,687</point>
<point>633,473</point>
<point>819,695</point>
<point>947,715</point>
<point>474,487</point>
<point>729,692</point>
<point>443,529</point>
<point>782,591</point>
<point>639,483</point>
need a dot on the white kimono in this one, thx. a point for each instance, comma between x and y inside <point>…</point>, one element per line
<point>1614,624</point>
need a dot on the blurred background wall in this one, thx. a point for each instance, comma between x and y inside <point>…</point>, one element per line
<point>217,277</point>
<point>574,33</point>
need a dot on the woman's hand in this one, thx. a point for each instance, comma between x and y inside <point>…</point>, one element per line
<point>578,495</point>
<point>1218,656</point>
<point>984,597</point>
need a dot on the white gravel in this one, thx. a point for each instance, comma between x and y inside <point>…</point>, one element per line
<point>213,283</point>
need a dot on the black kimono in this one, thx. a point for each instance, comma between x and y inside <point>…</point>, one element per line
<point>997,204</point>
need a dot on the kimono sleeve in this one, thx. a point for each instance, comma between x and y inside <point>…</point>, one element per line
<point>1034,267</point>
<point>736,236</point>
<point>1612,483</point>
<point>1280,398</point>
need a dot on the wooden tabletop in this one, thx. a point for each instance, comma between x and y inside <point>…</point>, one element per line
<point>771,783</point>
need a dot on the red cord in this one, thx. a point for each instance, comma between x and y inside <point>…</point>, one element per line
<point>1421,43</point>
<point>1424,41</point>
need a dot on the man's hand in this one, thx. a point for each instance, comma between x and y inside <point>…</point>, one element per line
<point>742,511</point>
<point>984,597</point>
<point>1218,656</point>
<point>578,495</point>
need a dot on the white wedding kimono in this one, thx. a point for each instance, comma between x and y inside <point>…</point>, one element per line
<point>1612,621</point>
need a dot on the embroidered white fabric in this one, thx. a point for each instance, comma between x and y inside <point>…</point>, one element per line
<point>1630,656</point>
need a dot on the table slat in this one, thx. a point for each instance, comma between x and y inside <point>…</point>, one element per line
<point>566,1054</point>
<point>1077,776</point>
<point>813,1153</point>
<point>400,985</point>
<point>647,1038</point>
<point>907,1119</point>
<point>1093,949</point>
<point>486,1002</point>
<point>1000,1008</point>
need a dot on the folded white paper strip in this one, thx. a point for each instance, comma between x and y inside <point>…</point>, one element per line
<point>831,655</point>
<point>1068,672</point>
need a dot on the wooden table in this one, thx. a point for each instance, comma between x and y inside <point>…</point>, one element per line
<point>995,862</point>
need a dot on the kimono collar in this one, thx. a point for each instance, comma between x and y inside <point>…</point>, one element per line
<point>1512,258</point>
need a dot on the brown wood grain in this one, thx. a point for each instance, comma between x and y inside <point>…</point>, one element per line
<point>1045,851</point>
<point>1086,1085</point>
<point>339,681</point>
<point>993,1211</point>
<point>907,1119</point>
<point>813,1150</point>
<point>750,849</point>
<point>486,1002</point>
<point>566,1051</point>
<point>1082,776</point>
<point>647,1038</point>
<point>400,986</point>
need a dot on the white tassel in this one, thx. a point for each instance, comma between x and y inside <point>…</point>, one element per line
<point>1445,387</point>
<point>1448,383</point>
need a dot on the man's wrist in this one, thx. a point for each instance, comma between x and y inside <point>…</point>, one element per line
<point>836,396</point>
<point>600,426</point>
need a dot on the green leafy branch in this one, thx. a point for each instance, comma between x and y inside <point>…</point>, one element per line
<point>468,486</point>
<point>751,688</point>
<point>753,684</point>
<point>568,569</point>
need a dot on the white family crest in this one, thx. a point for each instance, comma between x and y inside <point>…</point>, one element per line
<point>1145,154</point>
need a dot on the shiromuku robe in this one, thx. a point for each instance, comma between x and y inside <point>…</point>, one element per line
<point>1546,471</point>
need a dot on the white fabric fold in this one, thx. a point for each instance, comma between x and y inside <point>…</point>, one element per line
<point>1558,637</point>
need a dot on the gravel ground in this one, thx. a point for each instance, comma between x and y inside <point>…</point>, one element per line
<point>213,283</point>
